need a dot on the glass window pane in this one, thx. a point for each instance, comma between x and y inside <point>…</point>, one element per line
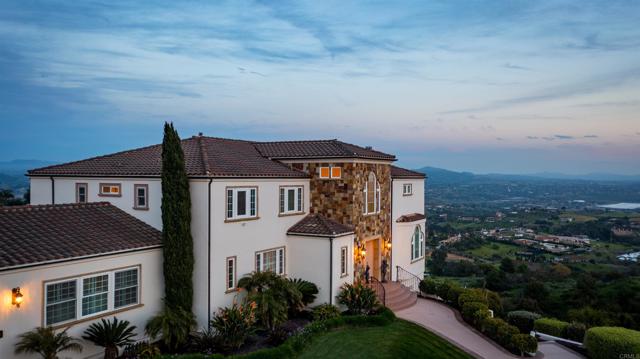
<point>229,203</point>
<point>126,278</point>
<point>241,208</point>
<point>94,304</point>
<point>60,292</point>
<point>61,312</point>
<point>126,296</point>
<point>300,199</point>
<point>269,259</point>
<point>291,200</point>
<point>281,200</point>
<point>253,202</point>
<point>61,302</point>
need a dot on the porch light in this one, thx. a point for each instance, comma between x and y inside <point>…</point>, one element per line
<point>363,252</point>
<point>16,297</point>
<point>388,245</point>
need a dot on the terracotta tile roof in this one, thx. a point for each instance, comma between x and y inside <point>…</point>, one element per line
<point>204,157</point>
<point>31,235</point>
<point>399,172</point>
<point>411,218</point>
<point>320,226</point>
<point>319,149</point>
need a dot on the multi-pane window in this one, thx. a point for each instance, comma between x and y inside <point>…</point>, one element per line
<point>271,260</point>
<point>231,273</point>
<point>407,189</point>
<point>417,244</point>
<point>81,192</point>
<point>88,296</point>
<point>290,199</point>
<point>95,294</point>
<point>371,195</point>
<point>344,258</point>
<point>330,172</point>
<point>242,202</point>
<point>141,196</point>
<point>110,189</point>
<point>60,302</point>
<point>126,288</point>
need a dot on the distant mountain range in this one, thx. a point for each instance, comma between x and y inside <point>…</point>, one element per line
<point>439,175</point>
<point>12,174</point>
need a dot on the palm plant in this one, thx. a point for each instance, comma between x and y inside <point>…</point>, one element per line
<point>173,324</point>
<point>46,342</point>
<point>273,295</point>
<point>110,335</point>
<point>306,288</point>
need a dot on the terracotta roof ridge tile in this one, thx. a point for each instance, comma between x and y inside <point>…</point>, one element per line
<point>204,156</point>
<point>41,207</point>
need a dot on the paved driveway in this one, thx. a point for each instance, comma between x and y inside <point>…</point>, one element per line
<point>442,320</point>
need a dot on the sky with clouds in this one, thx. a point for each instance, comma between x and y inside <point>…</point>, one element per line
<point>484,86</point>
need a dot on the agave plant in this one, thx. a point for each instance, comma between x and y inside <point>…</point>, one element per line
<point>174,326</point>
<point>46,342</point>
<point>110,335</point>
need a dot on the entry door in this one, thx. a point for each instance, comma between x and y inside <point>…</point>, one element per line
<point>376,258</point>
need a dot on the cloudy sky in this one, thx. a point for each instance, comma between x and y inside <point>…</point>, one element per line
<point>485,86</point>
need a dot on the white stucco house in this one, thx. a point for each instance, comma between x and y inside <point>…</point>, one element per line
<point>326,211</point>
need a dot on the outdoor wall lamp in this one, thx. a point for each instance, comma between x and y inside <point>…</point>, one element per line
<point>388,245</point>
<point>16,297</point>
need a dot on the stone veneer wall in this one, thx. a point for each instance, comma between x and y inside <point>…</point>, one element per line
<point>343,200</point>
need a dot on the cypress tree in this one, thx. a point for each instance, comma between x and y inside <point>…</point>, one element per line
<point>176,224</point>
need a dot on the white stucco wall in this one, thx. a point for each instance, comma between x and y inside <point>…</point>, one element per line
<point>402,232</point>
<point>65,192</point>
<point>15,321</point>
<point>310,260</point>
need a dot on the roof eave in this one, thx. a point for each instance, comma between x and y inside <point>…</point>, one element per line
<point>329,236</point>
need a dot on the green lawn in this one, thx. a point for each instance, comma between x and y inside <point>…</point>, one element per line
<point>399,339</point>
<point>491,249</point>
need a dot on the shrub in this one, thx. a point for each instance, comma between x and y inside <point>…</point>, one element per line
<point>592,317</point>
<point>233,325</point>
<point>453,294</point>
<point>550,326</point>
<point>469,310</point>
<point>358,298</point>
<point>611,342</point>
<point>205,341</point>
<point>524,343</point>
<point>471,295</point>
<point>174,326</point>
<point>325,311</point>
<point>110,335</point>
<point>141,350</point>
<point>308,289</point>
<point>523,320</point>
<point>504,333</point>
<point>442,289</point>
<point>428,286</point>
<point>575,331</point>
<point>46,342</point>
<point>490,326</point>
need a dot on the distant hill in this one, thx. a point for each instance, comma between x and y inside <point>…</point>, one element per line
<point>443,176</point>
<point>12,174</point>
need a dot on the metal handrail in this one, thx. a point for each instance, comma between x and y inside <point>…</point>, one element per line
<point>378,287</point>
<point>408,279</point>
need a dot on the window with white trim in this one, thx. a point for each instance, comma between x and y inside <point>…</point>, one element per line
<point>231,273</point>
<point>90,295</point>
<point>407,189</point>
<point>371,195</point>
<point>290,200</point>
<point>271,260</point>
<point>334,172</point>
<point>242,202</point>
<point>81,192</point>
<point>344,261</point>
<point>417,244</point>
<point>110,189</point>
<point>141,196</point>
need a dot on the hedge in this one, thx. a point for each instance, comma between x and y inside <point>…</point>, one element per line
<point>523,320</point>
<point>612,342</point>
<point>296,343</point>
<point>524,343</point>
<point>469,310</point>
<point>551,326</point>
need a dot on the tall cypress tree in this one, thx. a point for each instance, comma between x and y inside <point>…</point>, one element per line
<point>176,224</point>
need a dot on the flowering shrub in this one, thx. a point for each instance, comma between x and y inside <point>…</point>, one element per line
<point>358,298</point>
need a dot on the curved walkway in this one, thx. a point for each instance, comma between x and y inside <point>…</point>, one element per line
<point>442,320</point>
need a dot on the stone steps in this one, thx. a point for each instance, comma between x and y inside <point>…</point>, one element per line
<point>399,297</point>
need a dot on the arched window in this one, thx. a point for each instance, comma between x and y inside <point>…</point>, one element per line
<point>417,244</point>
<point>371,195</point>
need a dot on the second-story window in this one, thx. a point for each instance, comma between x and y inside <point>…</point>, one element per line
<point>141,196</point>
<point>333,172</point>
<point>242,203</point>
<point>407,189</point>
<point>81,192</point>
<point>290,200</point>
<point>110,189</point>
<point>371,195</point>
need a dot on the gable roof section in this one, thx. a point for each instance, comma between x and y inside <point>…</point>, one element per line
<point>35,235</point>
<point>317,225</point>
<point>399,172</point>
<point>319,149</point>
<point>204,157</point>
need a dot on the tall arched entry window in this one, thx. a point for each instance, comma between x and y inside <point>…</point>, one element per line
<point>417,243</point>
<point>371,195</point>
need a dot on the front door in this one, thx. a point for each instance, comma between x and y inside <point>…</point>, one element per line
<point>373,257</point>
